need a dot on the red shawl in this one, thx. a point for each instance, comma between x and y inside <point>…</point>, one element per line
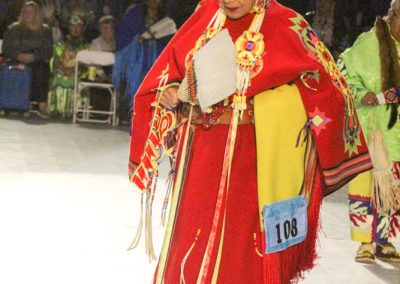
<point>292,54</point>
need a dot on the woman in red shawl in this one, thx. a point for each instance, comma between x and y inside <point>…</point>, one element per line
<point>249,172</point>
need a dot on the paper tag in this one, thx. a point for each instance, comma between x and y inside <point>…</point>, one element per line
<point>285,223</point>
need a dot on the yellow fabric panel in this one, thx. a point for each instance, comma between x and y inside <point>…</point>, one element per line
<point>361,185</point>
<point>361,237</point>
<point>279,117</point>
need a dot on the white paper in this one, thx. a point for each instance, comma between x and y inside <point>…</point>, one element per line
<point>215,70</point>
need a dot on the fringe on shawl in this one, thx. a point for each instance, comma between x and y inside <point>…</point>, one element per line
<point>289,266</point>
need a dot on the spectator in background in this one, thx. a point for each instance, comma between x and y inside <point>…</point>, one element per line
<point>106,40</point>
<point>92,11</point>
<point>51,17</point>
<point>100,98</point>
<point>135,55</point>
<point>51,10</point>
<point>30,42</point>
<point>63,69</point>
<point>54,23</point>
<point>324,21</point>
<point>85,9</point>
<point>137,18</point>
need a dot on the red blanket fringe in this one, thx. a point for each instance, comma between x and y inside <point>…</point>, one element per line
<point>289,265</point>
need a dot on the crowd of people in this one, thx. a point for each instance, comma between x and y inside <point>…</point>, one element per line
<point>46,36</point>
<point>37,42</point>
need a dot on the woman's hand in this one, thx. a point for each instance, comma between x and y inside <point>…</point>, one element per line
<point>169,99</point>
<point>369,99</point>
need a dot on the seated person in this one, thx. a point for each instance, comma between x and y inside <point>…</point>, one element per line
<point>106,40</point>
<point>63,72</point>
<point>100,98</point>
<point>29,41</point>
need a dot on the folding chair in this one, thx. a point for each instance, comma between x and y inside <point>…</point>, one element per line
<point>82,109</point>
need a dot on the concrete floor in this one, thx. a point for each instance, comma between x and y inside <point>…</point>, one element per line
<point>68,213</point>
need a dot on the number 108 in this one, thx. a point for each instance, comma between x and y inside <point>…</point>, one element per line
<point>289,230</point>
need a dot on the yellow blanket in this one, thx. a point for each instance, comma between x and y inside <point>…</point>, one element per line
<point>279,117</point>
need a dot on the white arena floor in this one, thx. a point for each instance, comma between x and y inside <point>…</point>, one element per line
<point>68,213</point>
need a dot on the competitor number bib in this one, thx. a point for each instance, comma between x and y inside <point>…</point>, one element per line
<point>285,223</point>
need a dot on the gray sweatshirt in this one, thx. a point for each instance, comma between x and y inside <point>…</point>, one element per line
<point>18,39</point>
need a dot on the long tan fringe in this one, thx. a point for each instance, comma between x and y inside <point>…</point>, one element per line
<point>136,239</point>
<point>396,191</point>
<point>148,225</point>
<point>145,219</point>
<point>170,183</point>
<point>385,191</point>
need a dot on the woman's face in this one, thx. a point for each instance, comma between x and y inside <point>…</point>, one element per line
<point>28,14</point>
<point>107,31</point>
<point>75,30</point>
<point>235,9</point>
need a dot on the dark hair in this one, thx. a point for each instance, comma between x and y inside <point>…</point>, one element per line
<point>160,10</point>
